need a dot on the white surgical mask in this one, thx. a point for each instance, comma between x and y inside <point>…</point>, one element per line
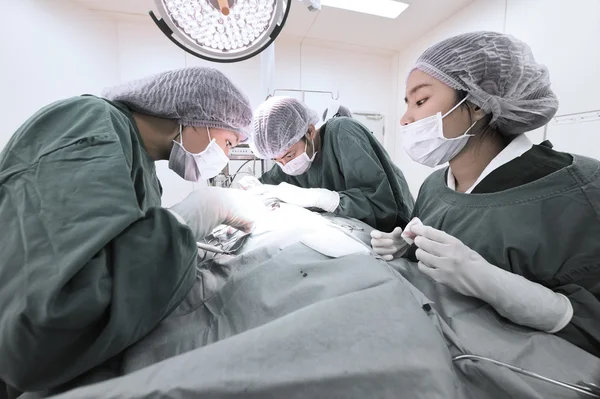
<point>195,167</point>
<point>425,143</point>
<point>300,164</point>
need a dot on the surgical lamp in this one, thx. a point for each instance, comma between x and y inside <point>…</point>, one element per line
<point>222,30</point>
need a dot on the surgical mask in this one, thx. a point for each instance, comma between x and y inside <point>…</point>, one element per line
<point>300,164</point>
<point>425,143</point>
<point>195,167</point>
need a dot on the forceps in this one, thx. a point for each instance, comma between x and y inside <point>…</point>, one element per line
<point>587,389</point>
<point>349,226</point>
<point>352,228</point>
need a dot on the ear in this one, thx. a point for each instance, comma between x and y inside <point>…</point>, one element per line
<point>477,113</point>
<point>312,132</point>
<point>176,133</point>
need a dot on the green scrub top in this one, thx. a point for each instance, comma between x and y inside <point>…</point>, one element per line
<point>90,262</point>
<point>353,163</point>
<point>547,230</point>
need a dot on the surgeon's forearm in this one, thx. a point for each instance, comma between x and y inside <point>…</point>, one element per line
<point>327,200</point>
<point>355,204</point>
<point>136,280</point>
<point>526,303</point>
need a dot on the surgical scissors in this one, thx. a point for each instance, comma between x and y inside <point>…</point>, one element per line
<point>584,388</point>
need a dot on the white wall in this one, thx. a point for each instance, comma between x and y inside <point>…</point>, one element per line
<point>51,50</point>
<point>563,35</point>
<point>68,50</point>
<point>362,78</point>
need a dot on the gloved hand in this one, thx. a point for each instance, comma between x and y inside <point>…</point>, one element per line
<point>248,183</point>
<point>395,244</point>
<point>305,197</point>
<point>207,208</point>
<point>389,245</point>
<point>450,262</point>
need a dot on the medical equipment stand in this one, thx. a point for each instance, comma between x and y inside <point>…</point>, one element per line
<point>240,153</point>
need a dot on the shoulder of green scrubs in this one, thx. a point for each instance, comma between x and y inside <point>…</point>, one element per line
<point>547,231</point>
<point>90,261</point>
<point>353,163</point>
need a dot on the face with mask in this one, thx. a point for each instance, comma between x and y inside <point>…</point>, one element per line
<point>198,155</point>
<point>435,128</point>
<point>298,159</point>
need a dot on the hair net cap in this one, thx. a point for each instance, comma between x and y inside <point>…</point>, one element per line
<point>344,111</point>
<point>193,96</point>
<point>279,123</point>
<point>499,74</point>
<point>335,109</point>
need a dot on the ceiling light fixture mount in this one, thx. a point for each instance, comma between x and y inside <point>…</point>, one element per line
<point>382,8</point>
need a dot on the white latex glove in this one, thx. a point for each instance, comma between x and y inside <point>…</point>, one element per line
<point>389,245</point>
<point>207,208</point>
<point>450,262</point>
<point>321,198</point>
<point>395,244</point>
<point>248,183</point>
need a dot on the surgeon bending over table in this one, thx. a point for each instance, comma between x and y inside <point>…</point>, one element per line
<point>89,260</point>
<point>339,167</point>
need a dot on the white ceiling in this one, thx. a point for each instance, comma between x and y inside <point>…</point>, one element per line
<point>335,25</point>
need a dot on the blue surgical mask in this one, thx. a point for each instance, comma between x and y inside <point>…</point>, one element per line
<point>195,167</point>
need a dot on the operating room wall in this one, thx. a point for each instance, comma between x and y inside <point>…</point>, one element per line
<point>360,76</point>
<point>51,50</point>
<point>563,35</point>
<point>68,50</point>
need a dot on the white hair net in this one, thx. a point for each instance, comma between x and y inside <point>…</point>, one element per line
<point>499,74</point>
<point>344,111</point>
<point>193,96</point>
<point>279,123</point>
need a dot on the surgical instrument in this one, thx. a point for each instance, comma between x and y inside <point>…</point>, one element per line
<point>352,228</point>
<point>348,226</point>
<point>212,248</point>
<point>587,389</point>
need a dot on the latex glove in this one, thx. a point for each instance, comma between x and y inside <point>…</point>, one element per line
<point>389,245</point>
<point>207,208</point>
<point>450,262</point>
<point>248,183</point>
<point>321,198</point>
<point>395,244</point>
